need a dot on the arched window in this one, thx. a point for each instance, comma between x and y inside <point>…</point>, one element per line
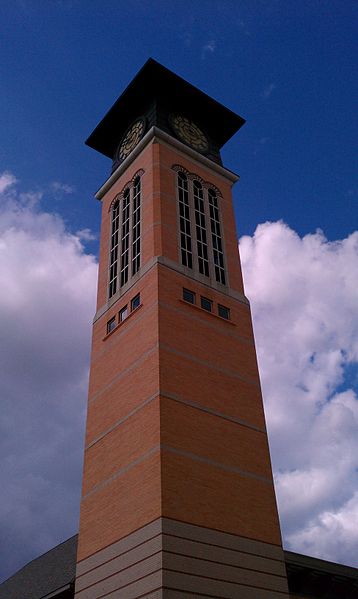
<point>200,225</point>
<point>125,237</point>
<point>184,221</point>
<point>201,243</point>
<point>136,227</point>
<point>218,254</point>
<point>113,261</point>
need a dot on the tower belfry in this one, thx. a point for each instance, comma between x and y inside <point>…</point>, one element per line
<point>177,496</point>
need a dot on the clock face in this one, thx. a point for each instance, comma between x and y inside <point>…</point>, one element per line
<point>131,138</point>
<point>189,132</point>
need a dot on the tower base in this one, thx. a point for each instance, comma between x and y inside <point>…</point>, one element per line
<point>167,559</point>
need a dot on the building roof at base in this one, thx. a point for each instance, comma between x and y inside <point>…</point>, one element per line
<point>52,575</point>
<point>312,577</point>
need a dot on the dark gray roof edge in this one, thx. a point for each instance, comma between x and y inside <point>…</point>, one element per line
<point>151,62</point>
<point>98,139</point>
<point>17,578</point>
<point>320,565</point>
<point>292,559</point>
<point>40,557</point>
<point>56,592</point>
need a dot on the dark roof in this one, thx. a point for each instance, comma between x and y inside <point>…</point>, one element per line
<point>313,577</point>
<point>53,571</point>
<point>155,83</point>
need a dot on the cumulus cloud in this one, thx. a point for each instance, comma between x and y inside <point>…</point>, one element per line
<point>268,90</point>
<point>208,48</point>
<point>304,296</point>
<point>85,235</point>
<point>62,188</point>
<point>46,306</point>
<point>6,180</point>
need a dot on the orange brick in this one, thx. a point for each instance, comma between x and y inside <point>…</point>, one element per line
<point>175,423</point>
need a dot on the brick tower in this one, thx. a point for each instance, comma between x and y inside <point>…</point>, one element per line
<point>178,497</point>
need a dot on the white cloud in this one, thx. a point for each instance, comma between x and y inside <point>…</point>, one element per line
<point>6,181</point>
<point>208,48</point>
<point>333,535</point>
<point>268,90</point>
<point>62,188</point>
<point>304,297</point>
<point>85,235</point>
<point>46,306</point>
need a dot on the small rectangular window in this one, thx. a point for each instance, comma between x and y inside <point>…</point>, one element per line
<point>111,324</point>
<point>123,314</point>
<point>135,303</point>
<point>224,312</point>
<point>206,304</point>
<point>189,296</point>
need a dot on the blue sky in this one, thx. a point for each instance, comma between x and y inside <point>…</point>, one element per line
<point>288,68</point>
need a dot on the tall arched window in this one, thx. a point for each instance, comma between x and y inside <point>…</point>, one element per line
<point>200,225</point>
<point>136,227</point>
<point>201,243</point>
<point>113,260</point>
<point>184,221</point>
<point>125,237</point>
<point>218,253</point>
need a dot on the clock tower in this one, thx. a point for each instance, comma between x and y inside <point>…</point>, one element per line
<point>177,496</point>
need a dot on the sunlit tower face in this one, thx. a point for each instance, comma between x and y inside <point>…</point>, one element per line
<point>177,496</point>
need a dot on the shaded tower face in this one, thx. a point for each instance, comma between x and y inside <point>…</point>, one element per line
<point>177,497</point>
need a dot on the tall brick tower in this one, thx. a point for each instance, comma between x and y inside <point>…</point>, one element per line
<point>178,497</point>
